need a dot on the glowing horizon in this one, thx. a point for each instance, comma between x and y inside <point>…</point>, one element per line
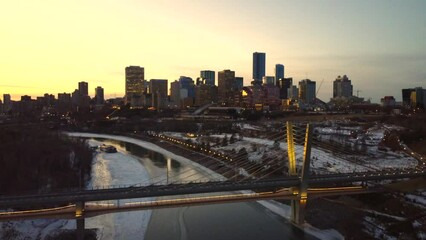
<point>50,46</point>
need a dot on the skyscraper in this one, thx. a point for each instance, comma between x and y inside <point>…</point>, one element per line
<point>259,61</point>
<point>239,83</point>
<point>279,71</point>
<point>7,102</point>
<point>135,77</point>
<point>342,87</point>
<point>226,87</point>
<point>158,90</point>
<point>99,95</point>
<point>307,90</point>
<point>83,87</point>
<point>175,96</point>
<point>209,77</point>
<point>188,84</point>
<point>284,84</point>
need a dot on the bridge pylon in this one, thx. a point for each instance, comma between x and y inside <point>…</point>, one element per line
<point>298,205</point>
<point>79,218</point>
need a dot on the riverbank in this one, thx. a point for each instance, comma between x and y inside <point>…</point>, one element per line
<point>190,157</point>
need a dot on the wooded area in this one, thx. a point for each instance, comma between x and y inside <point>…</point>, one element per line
<point>35,159</point>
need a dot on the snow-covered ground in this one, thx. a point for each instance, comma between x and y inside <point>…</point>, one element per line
<point>321,159</point>
<point>123,169</point>
<point>107,170</point>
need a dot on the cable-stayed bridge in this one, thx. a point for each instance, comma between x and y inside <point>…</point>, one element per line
<point>298,185</point>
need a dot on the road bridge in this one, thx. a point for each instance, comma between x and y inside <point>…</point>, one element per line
<point>298,187</point>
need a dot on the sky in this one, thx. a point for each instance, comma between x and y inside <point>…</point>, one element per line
<point>49,46</point>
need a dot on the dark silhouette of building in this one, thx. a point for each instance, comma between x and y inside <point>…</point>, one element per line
<point>307,91</point>
<point>209,77</point>
<point>226,87</point>
<point>279,71</point>
<point>99,95</point>
<point>239,83</point>
<point>158,90</point>
<point>205,94</point>
<point>259,62</point>
<point>7,103</point>
<point>406,96</point>
<point>284,85</point>
<point>342,87</point>
<point>83,87</point>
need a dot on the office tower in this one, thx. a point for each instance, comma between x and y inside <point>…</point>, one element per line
<point>239,83</point>
<point>175,93</point>
<point>7,102</point>
<point>342,87</point>
<point>158,90</point>
<point>208,76</point>
<point>284,85</point>
<point>26,98</point>
<point>76,98</point>
<point>99,95</point>
<point>418,98</point>
<point>205,94</point>
<point>292,92</point>
<point>307,90</point>
<point>259,61</point>
<point>64,102</point>
<point>226,85</point>
<point>46,100</point>
<point>83,87</point>
<point>188,84</point>
<point>269,80</point>
<point>406,96</point>
<point>134,87</point>
<point>279,71</point>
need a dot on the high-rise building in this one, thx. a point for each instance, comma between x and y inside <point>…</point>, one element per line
<point>158,90</point>
<point>83,87</point>
<point>269,80</point>
<point>418,98</point>
<point>209,77</point>
<point>284,85</point>
<point>205,94</point>
<point>259,62</point>
<point>226,87</point>
<point>279,71</point>
<point>64,97</point>
<point>292,92</point>
<point>406,96</point>
<point>7,102</point>
<point>175,93</point>
<point>99,95</point>
<point>134,87</point>
<point>307,90</point>
<point>342,87</point>
<point>239,83</point>
<point>188,84</point>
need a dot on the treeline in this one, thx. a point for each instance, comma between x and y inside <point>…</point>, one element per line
<point>35,159</point>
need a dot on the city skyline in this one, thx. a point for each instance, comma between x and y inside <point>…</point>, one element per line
<point>49,46</point>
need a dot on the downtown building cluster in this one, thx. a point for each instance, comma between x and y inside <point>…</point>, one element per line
<point>50,106</point>
<point>274,92</point>
<point>222,89</point>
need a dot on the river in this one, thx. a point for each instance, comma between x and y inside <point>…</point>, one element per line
<point>221,221</point>
<point>143,162</point>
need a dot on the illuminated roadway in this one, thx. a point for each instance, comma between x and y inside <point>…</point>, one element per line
<point>94,209</point>
<point>329,180</point>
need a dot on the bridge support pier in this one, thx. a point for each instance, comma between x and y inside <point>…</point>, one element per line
<point>80,222</point>
<point>298,211</point>
<point>298,205</point>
